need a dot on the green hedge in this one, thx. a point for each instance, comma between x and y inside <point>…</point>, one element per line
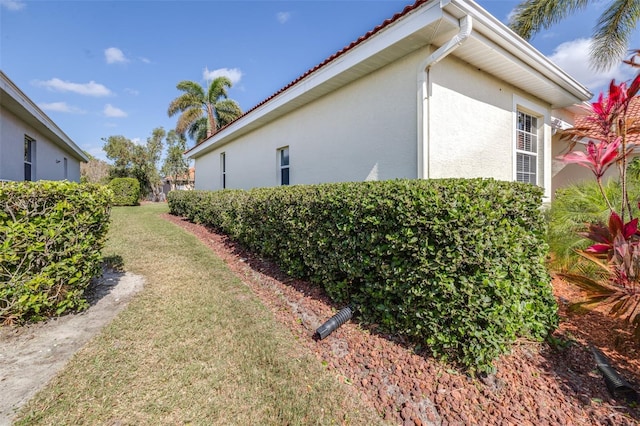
<point>456,265</point>
<point>51,235</point>
<point>126,191</point>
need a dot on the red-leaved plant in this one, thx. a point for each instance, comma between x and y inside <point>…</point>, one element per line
<point>617,244</point>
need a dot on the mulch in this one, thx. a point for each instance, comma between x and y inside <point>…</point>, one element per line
<point>536,384</point>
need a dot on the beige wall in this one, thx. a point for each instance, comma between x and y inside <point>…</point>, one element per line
<point>368,130</point>
<point>472,119</point>
<point>49,158</point>
<point>364,131</point>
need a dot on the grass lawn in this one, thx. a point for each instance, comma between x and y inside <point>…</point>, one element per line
<point>194,347</point>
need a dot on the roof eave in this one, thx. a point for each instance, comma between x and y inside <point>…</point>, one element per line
<point>488,30</point>
<point>47,126</point>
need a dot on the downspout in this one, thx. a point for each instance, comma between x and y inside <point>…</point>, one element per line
<point>424,91</point>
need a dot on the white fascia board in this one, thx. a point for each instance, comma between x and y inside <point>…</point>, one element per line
<point>397,31</point>
<point>502,35</point>
<point>9,88</point>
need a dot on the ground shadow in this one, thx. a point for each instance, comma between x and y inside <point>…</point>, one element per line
<point>572,356</point>
<point>102,285</point>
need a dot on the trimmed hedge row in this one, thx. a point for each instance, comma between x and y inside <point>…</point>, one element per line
<point>126,191</point>
<point>51,235</point>
<point>456,265</point>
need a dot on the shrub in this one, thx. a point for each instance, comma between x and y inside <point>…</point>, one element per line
<point>617,244</point>
<point>573,207</point>
<point>126,191</point>
<point>51,235</point>
<point>455,264</point>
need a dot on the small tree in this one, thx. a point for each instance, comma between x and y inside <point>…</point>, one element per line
<point>617,244</point>
<point>137,161</point>
<point>94,171</point>
<point>175,164</point>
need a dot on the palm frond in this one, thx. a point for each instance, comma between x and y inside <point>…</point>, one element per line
<point>574,207</point>
<point>594,287</point>
<point>218,89</point>
<point>187,118</point>
<point>531,16</point>
<point>612,33</point>
<point>198,130</point>
<point>192,88</point>
<point>227,110</point>
<point>183,102</point>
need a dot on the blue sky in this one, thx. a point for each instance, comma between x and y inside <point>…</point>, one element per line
<point>102,68</point>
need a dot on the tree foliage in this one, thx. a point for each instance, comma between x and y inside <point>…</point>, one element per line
<point>615,246</point>
<point>611,33</point>
<point>203,112</point>
<point>175,164</point>
<point>137,161</point>
<point>94,171</point>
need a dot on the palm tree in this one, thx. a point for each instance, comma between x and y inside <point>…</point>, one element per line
<point>611,33</point>
<point>203,113</point>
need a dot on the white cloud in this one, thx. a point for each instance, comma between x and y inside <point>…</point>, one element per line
<point>233,74</point>
<point>88,89</point>
<point>61,107</point>
<point>145,60</point>
<point>114,55</point>
<point>133,92</point>
<point>13,4</point>
<point>283,17</point>
<point>574,58</point>
<point>111,111</point>
<point>137,141</point>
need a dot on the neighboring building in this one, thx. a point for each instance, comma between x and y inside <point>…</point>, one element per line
<point>182,182</point>
<point>441,89</point>
<point>576,116</point>
<point>32,146</point>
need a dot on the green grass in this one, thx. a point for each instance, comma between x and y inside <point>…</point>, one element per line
<point>194,347</point>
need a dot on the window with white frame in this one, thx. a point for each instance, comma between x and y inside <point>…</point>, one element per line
<point>29,156</point>
<point>223,170</point>
<point>283,165</point>
<point>527,148</point>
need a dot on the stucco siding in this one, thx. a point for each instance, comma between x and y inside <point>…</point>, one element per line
<point>48,162</point>
<point>12,140</point>
<point>363,131</point>
<point>471,121</point>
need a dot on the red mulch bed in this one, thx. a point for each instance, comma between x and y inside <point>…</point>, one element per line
<point>537,384</point>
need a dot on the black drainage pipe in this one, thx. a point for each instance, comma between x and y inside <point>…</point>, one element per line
<point>617,386</point>
<point>332,323</point>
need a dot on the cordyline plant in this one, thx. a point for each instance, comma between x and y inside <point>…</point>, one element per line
<point>617,244</point>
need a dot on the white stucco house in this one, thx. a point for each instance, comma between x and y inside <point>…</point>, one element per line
<point>441,89</point>
<point>32,146</point>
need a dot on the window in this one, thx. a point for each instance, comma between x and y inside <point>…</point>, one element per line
<point>283,165</point>
<point>29,155</point>
<point>223,170</point>
<point>527,148</point>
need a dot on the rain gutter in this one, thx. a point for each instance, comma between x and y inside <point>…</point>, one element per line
<point>424,89</point>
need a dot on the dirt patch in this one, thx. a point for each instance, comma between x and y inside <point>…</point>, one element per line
<point>30,356</point>
<point>537,384</point>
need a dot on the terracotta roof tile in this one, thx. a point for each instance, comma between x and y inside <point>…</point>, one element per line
<point>633,112</point>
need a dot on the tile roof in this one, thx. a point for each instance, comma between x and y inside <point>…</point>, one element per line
<point>633,112</point>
